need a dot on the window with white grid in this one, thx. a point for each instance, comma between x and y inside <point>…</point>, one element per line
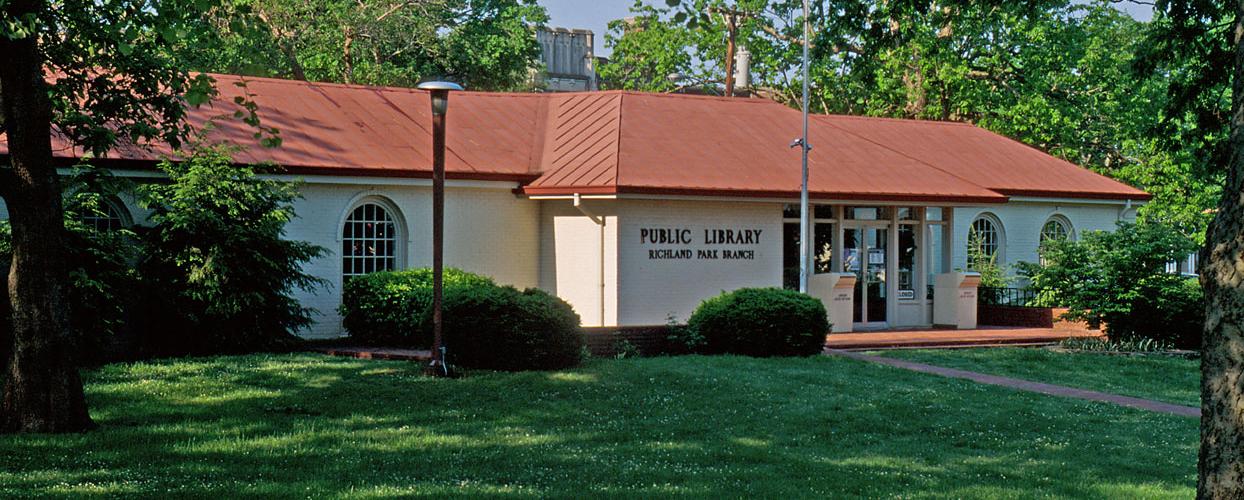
<point>1056,229</point>
<point>985,234</point>
<point>369,240</point>
<point>109,217</point>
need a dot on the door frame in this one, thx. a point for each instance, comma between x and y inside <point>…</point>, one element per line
<point>890,266</point>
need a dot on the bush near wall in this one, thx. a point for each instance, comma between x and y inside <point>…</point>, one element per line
<point>1119,279</point>
<point>487,325</point>
<point>388,308</point>
<point>760,322</point>
<point>501,328</point>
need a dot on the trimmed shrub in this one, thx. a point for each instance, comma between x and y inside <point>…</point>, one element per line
<point>761,322</point>
<point>392,308</point>
<point>501,328</point>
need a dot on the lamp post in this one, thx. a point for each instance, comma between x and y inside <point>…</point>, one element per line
<point>440,104</point>
<point>804,244</point>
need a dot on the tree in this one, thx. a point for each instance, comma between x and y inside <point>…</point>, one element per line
<point>1059,75</point>
<point>486,44</point>
<point>95,72</point>
<point>220,273</point>
<point>1221,461</point>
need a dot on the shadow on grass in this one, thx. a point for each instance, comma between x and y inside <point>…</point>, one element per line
<point>308,425</point>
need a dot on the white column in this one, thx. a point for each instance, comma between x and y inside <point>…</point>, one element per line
<point>891,269</point>
<point>920,262</point>
<point>948,239</point>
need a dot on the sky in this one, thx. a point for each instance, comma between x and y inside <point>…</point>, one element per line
<point>595,15</point>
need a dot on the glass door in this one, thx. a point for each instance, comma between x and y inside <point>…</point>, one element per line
<point>865,253</point>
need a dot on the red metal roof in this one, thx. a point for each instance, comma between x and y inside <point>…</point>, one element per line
<point>628,142</point>
<point>678,144</point>
<point>991,160</point>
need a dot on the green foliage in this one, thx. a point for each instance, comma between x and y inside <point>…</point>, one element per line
<point>487,45</point>
<point>1119,279</point>
<point>761,322</point>
<point>220,274</point>
<point>1189,47</point>
<point>486,325</point>
<point>502,328</point>
<point>648,51</point>
<point>1104,345</point>
<point>985,263</point>
<point>1059,75</point>
<point>100,268</point>
<point>682,339</point>
<point>115,79</point>
<point>392,308</point>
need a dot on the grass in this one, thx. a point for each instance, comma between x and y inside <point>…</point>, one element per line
<point>309,425</point>
<point>1163,378</point>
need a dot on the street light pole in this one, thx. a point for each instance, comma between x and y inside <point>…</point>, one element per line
<point>439,93</point>
<point>804,235</point>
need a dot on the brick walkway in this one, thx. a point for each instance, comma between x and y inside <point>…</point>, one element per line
<point>1024,385</point>
<point>376,353</point>
<point>984,336</point>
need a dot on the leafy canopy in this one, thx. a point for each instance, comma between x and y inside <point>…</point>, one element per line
<point>1056,74</point>
<point>485,44</point>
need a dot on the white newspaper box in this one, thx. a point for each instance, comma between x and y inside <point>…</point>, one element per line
<point>954,300</point>
<point>837,292</point>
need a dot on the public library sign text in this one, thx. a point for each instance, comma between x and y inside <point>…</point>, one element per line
<point>673,243</point>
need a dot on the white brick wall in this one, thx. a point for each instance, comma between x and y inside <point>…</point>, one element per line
<point>550,244</point>
<point>487,231</point>
<point>1022,222</point>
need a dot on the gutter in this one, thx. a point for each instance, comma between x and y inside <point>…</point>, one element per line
<point>600,272</point>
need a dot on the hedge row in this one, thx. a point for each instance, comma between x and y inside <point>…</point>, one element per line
<point>487,325</point>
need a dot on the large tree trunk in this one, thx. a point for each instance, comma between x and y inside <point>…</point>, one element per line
<point>1221,464</point>
<point>43,392</point>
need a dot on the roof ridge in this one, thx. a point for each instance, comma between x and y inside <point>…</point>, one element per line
<point>392,88</point>
<point>920,121</point>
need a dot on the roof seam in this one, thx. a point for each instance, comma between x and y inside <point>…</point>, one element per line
<point>617,159</point>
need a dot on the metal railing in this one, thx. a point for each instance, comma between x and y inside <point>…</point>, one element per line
<point>999,296</point>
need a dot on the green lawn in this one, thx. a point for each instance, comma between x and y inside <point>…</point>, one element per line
<point>308,425</point>
<point>1162,378</point>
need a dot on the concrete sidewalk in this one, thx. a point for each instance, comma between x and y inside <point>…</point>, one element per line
<point>984,336</point>
<point>1024,385</point>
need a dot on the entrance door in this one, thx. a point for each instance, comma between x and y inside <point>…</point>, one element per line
<point>865,253</point>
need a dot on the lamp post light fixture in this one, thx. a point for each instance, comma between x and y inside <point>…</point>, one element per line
<point>439,93</point>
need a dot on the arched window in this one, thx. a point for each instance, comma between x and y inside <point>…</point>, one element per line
<point>1058,228</point>
<point>985,236</point>
<point>369,240</point>
<point>109,216</point>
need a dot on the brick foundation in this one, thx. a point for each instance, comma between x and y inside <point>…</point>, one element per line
<point>1027,317</point>
<point>605,341</point>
